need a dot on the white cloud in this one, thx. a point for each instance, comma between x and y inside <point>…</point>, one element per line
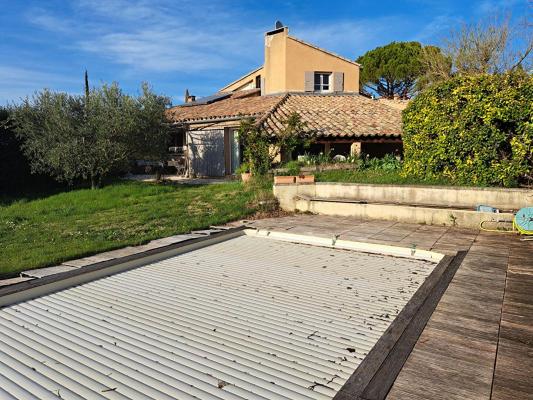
<point>49,22</point>
<point>157,36</point>
<point>497,6</point>
<point>18,82</point>
<point>437,29</point>
<point>168,50</point>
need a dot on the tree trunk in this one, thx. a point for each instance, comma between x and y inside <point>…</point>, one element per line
<point>95,182</point>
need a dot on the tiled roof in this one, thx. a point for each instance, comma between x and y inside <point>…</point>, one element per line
<point>326,115</point>
<point>243,103</point>
<point>338,115</point>
<point>400,104</point>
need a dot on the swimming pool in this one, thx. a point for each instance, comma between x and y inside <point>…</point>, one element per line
<point>261,315</point>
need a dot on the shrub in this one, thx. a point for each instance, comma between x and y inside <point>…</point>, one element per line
<point>386,163</point>
<point>15,174</point>
<point>261,147</point>
<point>243,168</point>
<point>293,168</point>
<point>472,130</point>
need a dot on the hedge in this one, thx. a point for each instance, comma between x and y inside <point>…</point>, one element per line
<point>473,130</point>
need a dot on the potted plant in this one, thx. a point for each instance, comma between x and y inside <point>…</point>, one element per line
<point>283,178</point>
<point>305,178</point>
<point>244,172</point>
<point>288,173</point>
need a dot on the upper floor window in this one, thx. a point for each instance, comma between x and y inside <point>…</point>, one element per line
<point>322,81</point>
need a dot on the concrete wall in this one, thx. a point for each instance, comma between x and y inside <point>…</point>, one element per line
<point>458,197</point>
<point>404,203</point>
<point>399,213</point>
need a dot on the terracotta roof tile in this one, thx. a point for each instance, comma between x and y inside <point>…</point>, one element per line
<point>330,115</point>
<point>245,103</point>
<point>339,115</point>
<point>400,104</point>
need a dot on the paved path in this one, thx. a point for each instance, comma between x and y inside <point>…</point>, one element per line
<point>478,344</point>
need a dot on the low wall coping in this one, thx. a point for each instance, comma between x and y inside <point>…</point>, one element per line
<point>381,185</point>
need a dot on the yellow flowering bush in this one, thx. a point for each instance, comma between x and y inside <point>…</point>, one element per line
<point>473,130</point>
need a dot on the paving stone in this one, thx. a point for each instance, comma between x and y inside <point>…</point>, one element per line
<point>42,272</point>
<point>14,281</point>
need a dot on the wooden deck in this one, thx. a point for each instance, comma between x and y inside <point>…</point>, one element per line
<point>478,343</point>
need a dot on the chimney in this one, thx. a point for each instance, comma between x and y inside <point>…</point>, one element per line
<point>189,98</point>
<point>275,71</point>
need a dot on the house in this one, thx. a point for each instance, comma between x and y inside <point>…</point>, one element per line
<point>296,76</point>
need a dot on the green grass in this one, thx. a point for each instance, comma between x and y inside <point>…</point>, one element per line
<point>47,231</point>
<point>375,176</point>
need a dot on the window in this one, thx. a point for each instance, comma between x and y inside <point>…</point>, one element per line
<point>322,83</point>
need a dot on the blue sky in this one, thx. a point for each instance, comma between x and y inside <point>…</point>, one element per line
<point>197,44</point>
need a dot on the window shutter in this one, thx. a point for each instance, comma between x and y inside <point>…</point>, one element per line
<point>338,81</point>
<point>309,81</point>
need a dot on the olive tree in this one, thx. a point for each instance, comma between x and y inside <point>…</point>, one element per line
<point>72,137</point>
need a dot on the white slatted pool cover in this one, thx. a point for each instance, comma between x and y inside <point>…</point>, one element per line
<point>248,318</point>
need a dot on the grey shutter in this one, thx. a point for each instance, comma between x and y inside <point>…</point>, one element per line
<point>338,81</point>
<point>309,81</point>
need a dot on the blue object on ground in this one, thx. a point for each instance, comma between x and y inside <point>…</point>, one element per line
<point>482,208</point>
<point>524,220</point>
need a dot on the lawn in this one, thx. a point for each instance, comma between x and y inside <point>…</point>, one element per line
<point>375,176</point>
<point>47,231</point>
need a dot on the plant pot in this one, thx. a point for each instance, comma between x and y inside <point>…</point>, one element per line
<point>305,179</point>
<point>284,180</point>
<point>246,176</point>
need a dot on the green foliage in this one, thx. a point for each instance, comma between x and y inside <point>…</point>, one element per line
<point>243,168</point>
<point>71,137</point>
<point>386,163</point>
<point>260,148</point>
<point>473,130</point>
<point>77,223</point>
<point>291,168</point>
<point>392,69</point>
<point>318,159</point>
<point>256,145</point>
<point>15,174</point>
<point>376,176</point>
<point>291,135</point>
